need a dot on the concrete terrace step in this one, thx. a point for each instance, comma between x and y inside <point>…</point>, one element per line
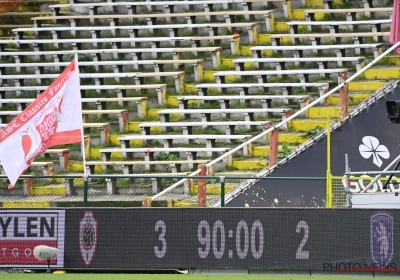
<point>262,151</point>
<point>382,72</point>
<point>254,164</point>
<point>367,85</point>
<point>355,98</point>
<point>324,112</point>
<point>5,29</point>
<point>22,18</point>
<point>307,124</point>
<point>25,204</point>
<point>238,173</point>
<point>50,190</point>
<point>292,138</point>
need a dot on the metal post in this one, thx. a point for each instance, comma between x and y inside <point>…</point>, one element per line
<point>222,181</point>
<point>347,192</point>
<point>328,203</point>
<point>379,176</point>
<point>390,176</point>
<point>202,187</point>
<point>85,190</point>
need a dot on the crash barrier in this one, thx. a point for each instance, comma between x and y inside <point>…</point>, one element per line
<point>136,190</point>
<point>119,190</point>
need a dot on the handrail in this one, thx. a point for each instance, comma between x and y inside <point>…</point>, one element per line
<point>124,176</point>
<point>315,102</point>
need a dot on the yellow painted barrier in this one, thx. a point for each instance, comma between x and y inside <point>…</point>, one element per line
<point>27,204</point>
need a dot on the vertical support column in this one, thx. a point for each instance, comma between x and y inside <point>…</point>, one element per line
<point>247,7</point>
<point>347,182</point>
<point>64,159</point>
<point>270,22</point>
<point>216,58</point>
<point>48,169</point>
<point>273,153</point>
<point>367,4</point>
<point>198,71</point>
<point>188,186</point>
<point>253,34</point>
<point>179,82</point>
<point>162,95</point>
<point>343,102</point>
<point>69,186</point>
<point>111,186</point>
<point>222,180</point>
<point>123,121</point>
<point>202,188</point>
<point>287,9</point>
<point>142,108</point>
<point>104,131</point>
<point>146,202</point>
<point>28,187</point>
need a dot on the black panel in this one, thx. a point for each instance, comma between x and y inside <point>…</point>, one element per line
<point>347,139</point>
<point>268,238</point>
<point>334,237</point>
<point>126,238</point>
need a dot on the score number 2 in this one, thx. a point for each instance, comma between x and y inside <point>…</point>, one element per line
<point>300,254</point>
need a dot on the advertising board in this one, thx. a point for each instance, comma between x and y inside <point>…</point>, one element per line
<point>22,230</point>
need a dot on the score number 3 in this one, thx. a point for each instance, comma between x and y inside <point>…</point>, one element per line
<point>160,252</point>
<point>300,254</point>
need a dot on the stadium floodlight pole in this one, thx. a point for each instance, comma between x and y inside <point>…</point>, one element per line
<point>288,119</point>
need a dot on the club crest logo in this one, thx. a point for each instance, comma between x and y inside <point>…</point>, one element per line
<point>382,238</point>
<point>371,147</point>
<point>87,237</point>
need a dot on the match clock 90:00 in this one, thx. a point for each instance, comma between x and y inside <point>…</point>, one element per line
<point>246,239</point>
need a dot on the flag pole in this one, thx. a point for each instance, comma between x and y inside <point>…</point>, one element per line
<point>85,176</point>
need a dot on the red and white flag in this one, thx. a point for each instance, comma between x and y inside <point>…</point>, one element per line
<point>395,25</point>
<point>54,118</point>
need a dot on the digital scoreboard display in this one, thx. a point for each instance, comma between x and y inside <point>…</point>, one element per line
<point>266,238</point>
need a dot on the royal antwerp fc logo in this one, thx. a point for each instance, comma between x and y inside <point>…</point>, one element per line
<point>87,237</point>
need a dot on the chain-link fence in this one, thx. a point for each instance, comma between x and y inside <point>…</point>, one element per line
<point>357,184</point>
<point>155,191</point>
<point>338,192</point>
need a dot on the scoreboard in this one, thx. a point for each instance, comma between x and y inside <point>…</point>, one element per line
<point>266,238</point>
